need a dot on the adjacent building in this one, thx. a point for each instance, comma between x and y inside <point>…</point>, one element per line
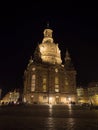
<point>46,79</point>
<point>93,92</point>
<point>82,95</point>
<point>11,97</point>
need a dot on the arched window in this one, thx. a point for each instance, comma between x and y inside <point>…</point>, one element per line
<point>56,84</point>
<point>66,82</point>
<point>44,84</point>
<point>33,82</point>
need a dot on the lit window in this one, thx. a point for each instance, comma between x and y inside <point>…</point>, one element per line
<point>33,68</point>
<point>44,88</point>
<point>56,70</point>
<point>33,87</point>
<point>56,90</point>
<point>44,84</point>
<point>33,83</point>
<point>33,76</point>
<point>56,80</point>
<point>56,86</point>
<point>32,96</point>
<point>44,80</point>
<point>66,81</point>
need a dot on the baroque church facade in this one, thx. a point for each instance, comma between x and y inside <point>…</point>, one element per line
<point>46,79</point>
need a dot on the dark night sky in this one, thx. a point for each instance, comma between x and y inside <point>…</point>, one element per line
<point>21,29</point>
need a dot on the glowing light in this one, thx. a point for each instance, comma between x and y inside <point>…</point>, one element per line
<point>32,96</point>
<point>56,70</point>
<point>50,100</point>
<point>33,69</point>
<point>50,106</point>
<point>69,99</point>
<point>24,99</point>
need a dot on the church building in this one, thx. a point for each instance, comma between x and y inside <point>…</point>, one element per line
<point>46,79</point>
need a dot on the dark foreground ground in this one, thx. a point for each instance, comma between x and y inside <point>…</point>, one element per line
<point>44,117</point>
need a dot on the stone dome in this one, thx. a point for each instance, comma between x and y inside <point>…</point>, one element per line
<point>49,51</point>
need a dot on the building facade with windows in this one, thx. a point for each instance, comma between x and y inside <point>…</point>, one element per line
<point>93,93</point>
<point>11,97</point>
<point>46,79</point>
<point>82,95</point>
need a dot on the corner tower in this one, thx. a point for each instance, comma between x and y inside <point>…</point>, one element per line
<point>70,78</point>
<point>68,63</point>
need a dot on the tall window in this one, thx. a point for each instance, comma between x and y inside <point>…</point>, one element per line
<point>33,83</point>
<point>56,84</point>
<point>44,84</point>
<point>66,81</point>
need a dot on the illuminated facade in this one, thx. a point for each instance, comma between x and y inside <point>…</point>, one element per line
<point>82,95</point>
<point>93,93</point>
<point>46,79</point>
<point>11,97</point>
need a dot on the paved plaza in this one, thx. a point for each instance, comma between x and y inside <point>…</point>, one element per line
<point>45,117</point>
